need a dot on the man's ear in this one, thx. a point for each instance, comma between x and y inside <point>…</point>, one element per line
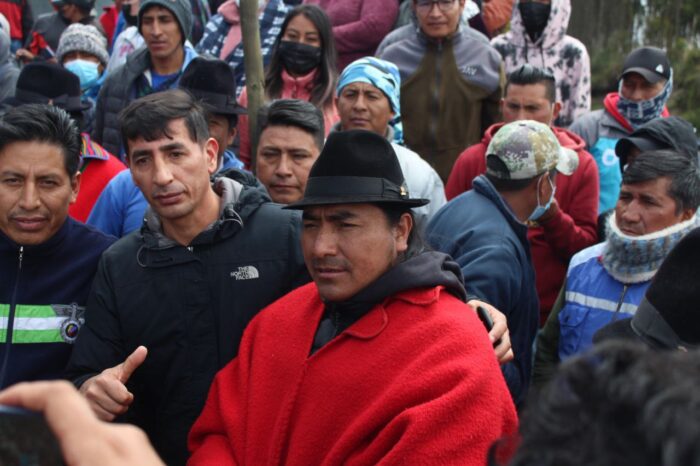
<point>211,151</point>
<point>556,111</point>
<point>687,214</point>
<point>402,232</point>
<point>75,187</point>
<point>231,136</point>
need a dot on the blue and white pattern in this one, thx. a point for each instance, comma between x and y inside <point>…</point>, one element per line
<point>383,75</point>
<point>216,31</point>
<point>639,113</point>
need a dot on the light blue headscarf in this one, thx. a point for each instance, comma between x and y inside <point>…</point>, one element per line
<point>383,75</point>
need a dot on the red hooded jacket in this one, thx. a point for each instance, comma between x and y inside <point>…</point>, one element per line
<point>573,226</point>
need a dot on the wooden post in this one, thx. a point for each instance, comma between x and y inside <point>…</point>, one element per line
<point>254,73</point>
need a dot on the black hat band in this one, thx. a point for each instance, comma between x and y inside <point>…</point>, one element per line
<point>64,101</point>
<point>354,186</point>
<point>649,324</point>
<point>214,98</point>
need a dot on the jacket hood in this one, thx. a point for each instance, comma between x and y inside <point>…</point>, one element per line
<point>554,31</point>
<point>240,195</point>
<point>253,192</point>
<point>566,138</point>
<point>427,269</point>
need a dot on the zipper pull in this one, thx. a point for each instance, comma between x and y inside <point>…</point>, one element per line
<point>21,255</point>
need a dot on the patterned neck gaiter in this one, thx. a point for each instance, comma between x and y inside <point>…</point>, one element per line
<point>638,113</point>
<point>635,259</point>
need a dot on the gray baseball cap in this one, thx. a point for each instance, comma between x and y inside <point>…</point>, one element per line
<point>527,149</point>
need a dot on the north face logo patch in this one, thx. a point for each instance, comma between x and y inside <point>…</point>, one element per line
<point>245,273</point>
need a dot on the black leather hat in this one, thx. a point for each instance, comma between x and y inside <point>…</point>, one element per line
<point>660,133</point>
<point>356,167</point>
<point>667,317</point>
<point>212,82</point>
<point>48,83</point>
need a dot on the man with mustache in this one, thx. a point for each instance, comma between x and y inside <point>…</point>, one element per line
<point>379,360</point>
<point>657,206</point>
<point>170,302</point>
<point>47,259</point>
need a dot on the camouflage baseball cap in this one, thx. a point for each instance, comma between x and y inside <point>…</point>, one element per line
<point>527,149</point>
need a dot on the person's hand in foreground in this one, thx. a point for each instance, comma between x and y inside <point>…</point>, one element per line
<point>499,333</point>
<point>84,439</point>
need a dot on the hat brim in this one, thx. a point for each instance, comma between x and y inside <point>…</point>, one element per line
<point>214,105</point>
<point>624,145</point>
<point>15,102</point>
<point>332,200</point>
<point>651,76</point>
<point>568,161</point>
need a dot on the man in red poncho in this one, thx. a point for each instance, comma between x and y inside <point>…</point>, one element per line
<point>379,359</point>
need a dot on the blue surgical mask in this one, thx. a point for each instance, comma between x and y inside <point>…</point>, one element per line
<point>541,209</point>
<point>85,70</point>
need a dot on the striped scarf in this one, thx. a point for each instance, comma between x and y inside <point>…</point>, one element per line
<point>635,259</point>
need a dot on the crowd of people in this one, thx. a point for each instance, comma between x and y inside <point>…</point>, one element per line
<point>435,247</point>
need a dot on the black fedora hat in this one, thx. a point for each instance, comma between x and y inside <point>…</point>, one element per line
<point>212,82</point>
<point>48,83</point>
<point>667,317</point>
<point>356,167</point>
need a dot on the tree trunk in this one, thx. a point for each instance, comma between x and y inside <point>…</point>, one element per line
<point>254,74</point>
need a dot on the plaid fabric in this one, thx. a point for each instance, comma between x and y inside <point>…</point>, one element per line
<point>200,17</point>
<point>215,33</point>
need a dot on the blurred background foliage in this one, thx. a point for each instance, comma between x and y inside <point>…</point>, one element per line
<point>611,29</point>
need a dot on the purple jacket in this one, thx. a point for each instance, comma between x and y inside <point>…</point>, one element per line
<point>358,26</point>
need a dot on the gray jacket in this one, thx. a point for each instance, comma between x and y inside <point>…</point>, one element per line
<point>601,131</point>
<point>8,70</point>
<point>115,94</point>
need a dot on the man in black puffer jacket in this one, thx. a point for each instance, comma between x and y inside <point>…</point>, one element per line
<point>207,259</point>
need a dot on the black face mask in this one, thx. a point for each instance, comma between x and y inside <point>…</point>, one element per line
<point>535,17</point>
<point>128,17</point>
<point>299,59</point>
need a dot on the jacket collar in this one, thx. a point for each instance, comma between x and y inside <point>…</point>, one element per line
<point>40,250</point>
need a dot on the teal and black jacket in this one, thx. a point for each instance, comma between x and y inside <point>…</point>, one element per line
<point>43,292</point>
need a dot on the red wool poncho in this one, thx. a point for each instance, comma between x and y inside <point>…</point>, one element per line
<point>414,381</point>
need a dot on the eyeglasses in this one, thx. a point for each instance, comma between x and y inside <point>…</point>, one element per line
<point>424,6</point>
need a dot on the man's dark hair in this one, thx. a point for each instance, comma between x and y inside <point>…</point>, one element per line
<point>416,242</point>
<point>679,168</point>
<point>293,112</point>
<point>620,403</point>
<point>150,116</point>
<point>43,123</point>
<point>528,75</point>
